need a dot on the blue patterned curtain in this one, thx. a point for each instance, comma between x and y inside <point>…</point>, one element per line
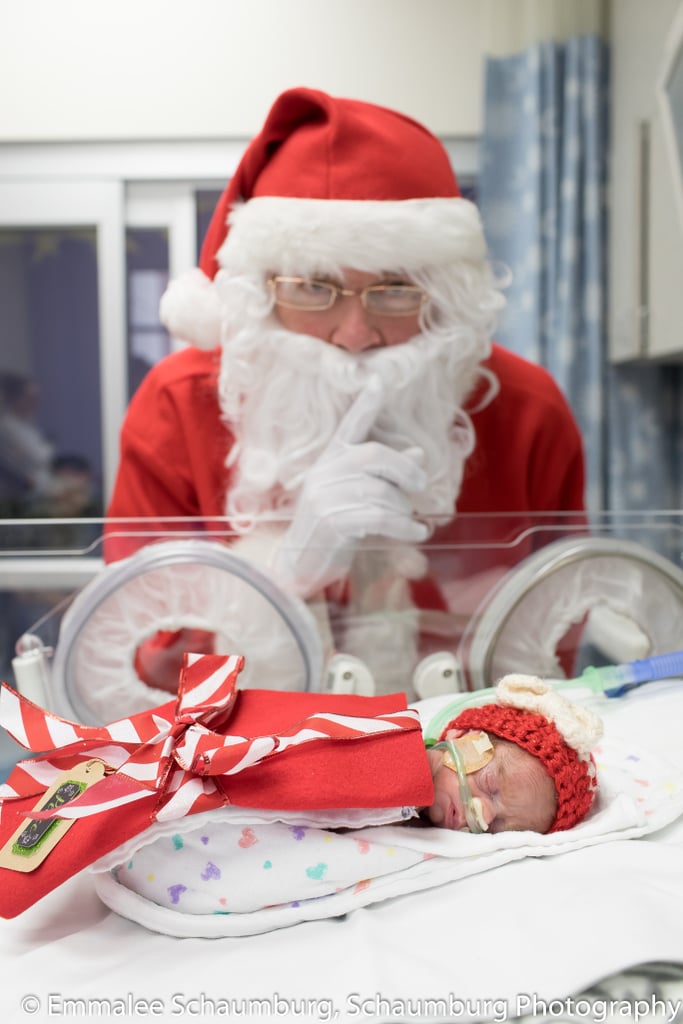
<point>542,193</point>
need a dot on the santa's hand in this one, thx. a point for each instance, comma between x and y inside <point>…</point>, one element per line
<point>357,488</point>
<point>159,659</point>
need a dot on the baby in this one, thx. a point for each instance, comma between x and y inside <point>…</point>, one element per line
<point>520,762</point>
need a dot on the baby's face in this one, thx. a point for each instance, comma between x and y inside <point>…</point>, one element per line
<point>515,791</point>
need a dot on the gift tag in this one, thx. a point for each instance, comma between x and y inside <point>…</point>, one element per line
<point>33,840</point>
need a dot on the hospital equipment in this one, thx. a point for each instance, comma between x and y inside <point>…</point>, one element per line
<point>618,587</point>
<point>183,583</point>
<point>615,680</point>
<point>561,918</point>
<point>610,680</point>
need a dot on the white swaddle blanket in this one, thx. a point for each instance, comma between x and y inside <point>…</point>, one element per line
<point>240,872</point>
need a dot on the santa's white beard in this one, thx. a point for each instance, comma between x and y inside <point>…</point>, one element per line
<point>283,396</point>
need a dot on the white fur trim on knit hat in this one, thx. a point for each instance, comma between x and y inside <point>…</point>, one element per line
<point>579,727</point>
<point>302,236</point>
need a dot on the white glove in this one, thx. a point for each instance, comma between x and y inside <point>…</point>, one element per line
<point>357,488</point>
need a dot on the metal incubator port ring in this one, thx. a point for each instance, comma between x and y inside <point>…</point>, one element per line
<point>167,585</point>
<point>517,628</point>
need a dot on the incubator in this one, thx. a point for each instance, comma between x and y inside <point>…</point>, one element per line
<point>545,595</point>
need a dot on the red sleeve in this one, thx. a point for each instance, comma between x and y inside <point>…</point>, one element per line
<point>528,455</point>
<point>173,447</point>
<point>527,464</point>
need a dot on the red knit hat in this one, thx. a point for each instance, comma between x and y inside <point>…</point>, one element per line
<point>543,722</point>
<point>329,183</point>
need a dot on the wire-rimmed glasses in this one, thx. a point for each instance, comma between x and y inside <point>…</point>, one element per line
<point>314,296</point>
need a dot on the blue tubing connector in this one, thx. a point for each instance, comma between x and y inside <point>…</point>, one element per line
<point>612,680</point>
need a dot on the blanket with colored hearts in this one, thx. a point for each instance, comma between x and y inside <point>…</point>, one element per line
<point>242,872</point>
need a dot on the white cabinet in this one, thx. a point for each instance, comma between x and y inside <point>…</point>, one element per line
<point>646,217</point>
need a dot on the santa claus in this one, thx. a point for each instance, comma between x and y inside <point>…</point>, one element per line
<point>341,381</point>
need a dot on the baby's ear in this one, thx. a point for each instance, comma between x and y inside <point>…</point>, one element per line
<point>454,734</point>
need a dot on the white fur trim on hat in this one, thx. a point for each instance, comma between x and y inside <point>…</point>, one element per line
<point>190,309</point>
<point>300,236</point>
<point>579,727</point>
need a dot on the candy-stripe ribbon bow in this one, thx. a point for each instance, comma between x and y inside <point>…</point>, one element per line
<point>175,753</point>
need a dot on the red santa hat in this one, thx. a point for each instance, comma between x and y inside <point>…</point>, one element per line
<point>558,732</point>
<point>328,183</point>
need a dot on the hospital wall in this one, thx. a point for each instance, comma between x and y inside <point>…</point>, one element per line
<point>174,69</point>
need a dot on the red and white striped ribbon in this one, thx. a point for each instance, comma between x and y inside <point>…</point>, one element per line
<point>173,752</point>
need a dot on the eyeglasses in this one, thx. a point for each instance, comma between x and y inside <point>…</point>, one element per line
<point>309,295</point>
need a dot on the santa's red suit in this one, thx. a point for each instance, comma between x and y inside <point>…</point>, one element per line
<point>528,456</point>
<point>527,464</point>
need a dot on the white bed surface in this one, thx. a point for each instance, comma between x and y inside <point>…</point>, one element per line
<point>484,946</point>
